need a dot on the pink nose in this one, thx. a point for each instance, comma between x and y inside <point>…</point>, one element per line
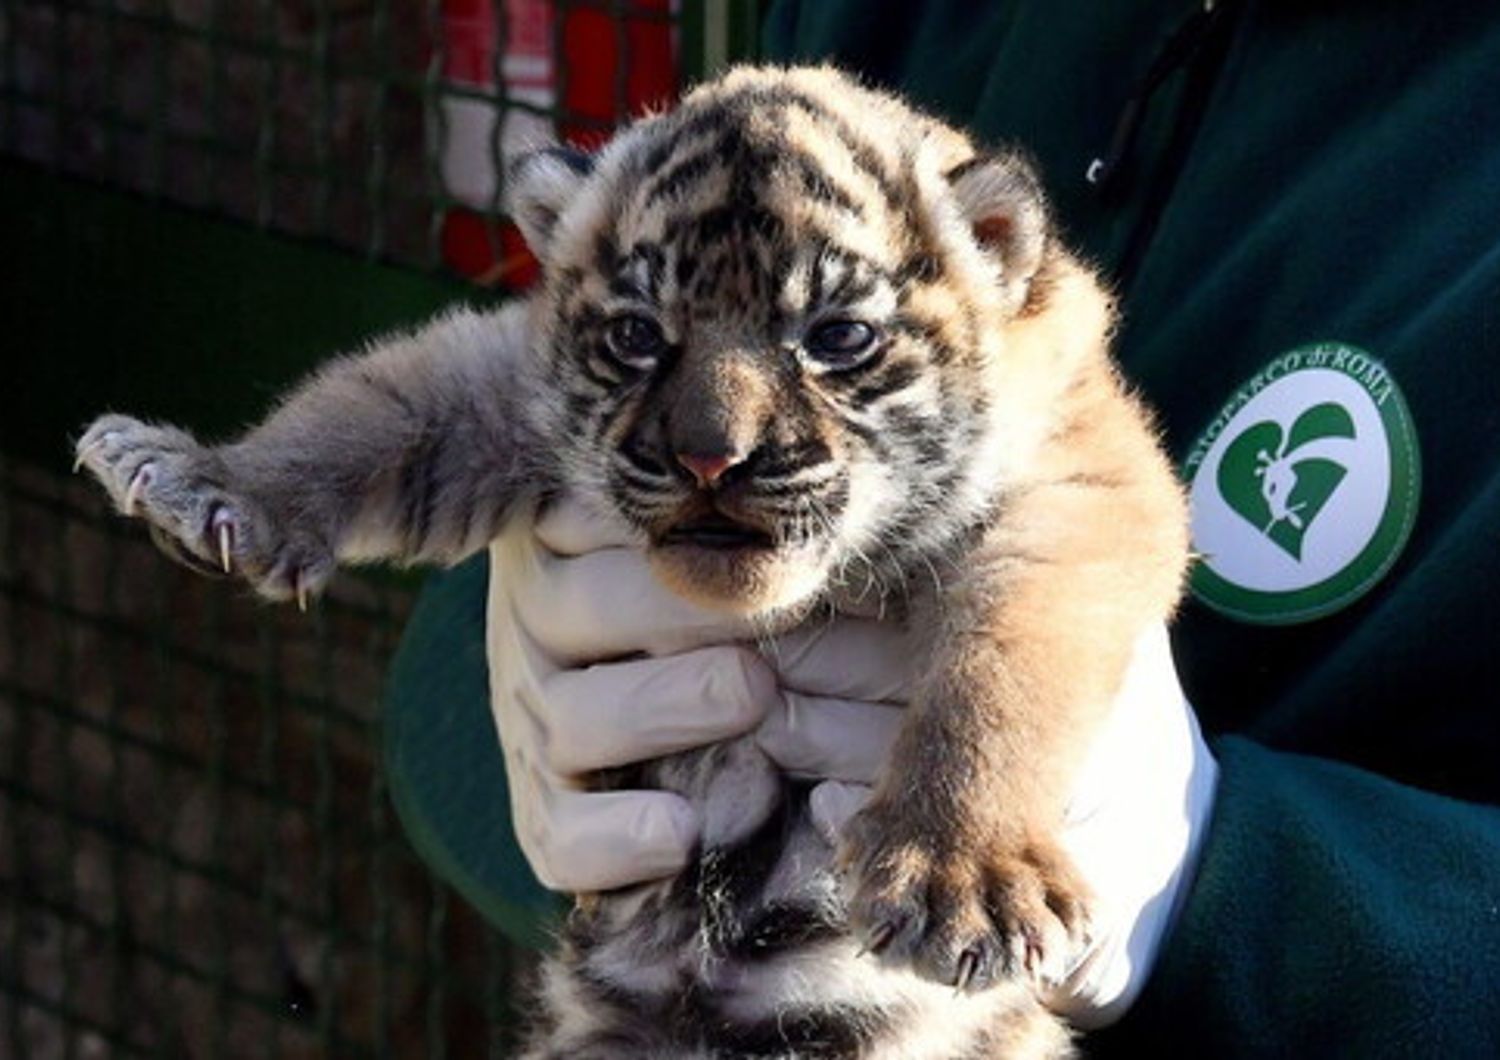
<point>707,468</point>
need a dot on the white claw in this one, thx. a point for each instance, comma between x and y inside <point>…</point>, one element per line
<point>84,453</point>
<point>301,597</point>
<point>137,483</point>
<point>224,533</point>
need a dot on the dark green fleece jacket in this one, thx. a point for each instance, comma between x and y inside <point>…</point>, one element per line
<point>1304,226</point>
<point>1303,223</point>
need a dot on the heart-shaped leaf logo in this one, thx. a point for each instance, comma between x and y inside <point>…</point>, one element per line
<point>1304,486</point>
<point>1279,481</point>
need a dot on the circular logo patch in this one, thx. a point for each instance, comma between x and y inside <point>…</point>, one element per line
<point>1303,488</point>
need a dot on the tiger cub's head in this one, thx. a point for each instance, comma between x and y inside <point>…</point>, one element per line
<point>782,330</point>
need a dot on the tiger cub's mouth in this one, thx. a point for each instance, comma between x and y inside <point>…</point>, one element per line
<point>716,531</point>
<point>728,562</point>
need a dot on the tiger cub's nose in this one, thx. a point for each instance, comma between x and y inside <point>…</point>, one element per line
<point>708,468</point>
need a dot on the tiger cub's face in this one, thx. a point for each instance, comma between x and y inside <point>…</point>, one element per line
<point>774,322</point>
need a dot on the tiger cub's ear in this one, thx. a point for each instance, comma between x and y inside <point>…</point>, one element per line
<point>538,186</point>
<point>1002,200</point>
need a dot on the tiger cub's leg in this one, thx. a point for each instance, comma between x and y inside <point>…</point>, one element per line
<point>415,451</point>
<point>956,862</point>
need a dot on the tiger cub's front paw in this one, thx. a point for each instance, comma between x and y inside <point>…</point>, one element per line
<point>186,495</point>
<point>964,906</point>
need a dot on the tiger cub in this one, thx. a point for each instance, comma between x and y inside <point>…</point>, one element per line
<point>802,341</point>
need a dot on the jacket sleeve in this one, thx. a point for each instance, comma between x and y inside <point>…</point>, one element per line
<point>1334,913</point>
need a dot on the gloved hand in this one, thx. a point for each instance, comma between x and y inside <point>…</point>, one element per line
<point>562,712</point>
<point>827,700</point>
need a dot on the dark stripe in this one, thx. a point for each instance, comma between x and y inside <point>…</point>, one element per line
<point>852,288</point>
<point>579,406</point>
<point>625,286</point>
<point>891,377</point>
<point>471,510</point>
<point>868,161</point>
<point>866,158</point>
<point>815,282</point>
<point>922,268</point>
<point>682,174</point>
<point>726,880</point>
<point>388,390</point>
<point>926,331</point>
<point>604,991</point>
<point>629,476</point>
<point>859,279</point>
<point>790,459</point>
<point>470,495</point>
<point>776,489</point>
<point>639,514</point>
<point>815,181</point>
<point>727,221</point>
<point>836,497</point>
<point>833,1032</point>
<point>778,928</point>
<point>968,165</point>
<point>921,430</point>
<point>417,484</point>
<point>638,458</point>
<point>651,257</point>
<point>726,116</point>
<point>606,255</point>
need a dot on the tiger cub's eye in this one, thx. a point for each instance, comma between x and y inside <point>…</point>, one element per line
<point>635,340</point>
<point>841,343</point>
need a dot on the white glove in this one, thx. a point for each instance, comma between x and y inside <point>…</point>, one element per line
<point>828,706</point>
<point>1135,825</point>
<point>559,718</point>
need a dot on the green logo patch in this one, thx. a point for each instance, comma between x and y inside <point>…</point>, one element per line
<point>1279,482</point>
<point>1304,487</point>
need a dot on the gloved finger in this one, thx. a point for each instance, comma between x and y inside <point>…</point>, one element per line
<point>615,713</point>
<point>832,803</point>
<point>849,658</point>
<point>568,527</point>
<point>595,841</point>
<point>608,604</point>
<point>829,739</point>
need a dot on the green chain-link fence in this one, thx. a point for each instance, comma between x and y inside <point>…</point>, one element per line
<point>197,856</point>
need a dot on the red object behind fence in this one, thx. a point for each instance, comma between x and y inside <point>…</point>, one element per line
<point>609,68</point>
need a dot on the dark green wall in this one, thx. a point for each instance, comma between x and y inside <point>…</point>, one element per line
<point>113,302</point>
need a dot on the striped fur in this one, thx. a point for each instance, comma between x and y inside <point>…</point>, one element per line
<point>749,954</point>
<point>800,313</point>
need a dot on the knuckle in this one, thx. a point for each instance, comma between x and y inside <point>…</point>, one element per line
<point>566,733</point>
<point>748,685</point>
<point>561,751</point>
